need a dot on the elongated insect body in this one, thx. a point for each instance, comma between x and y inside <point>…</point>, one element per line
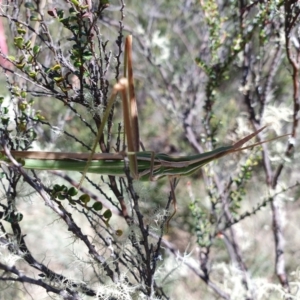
<point>150,166</point>
<point>163,165</point>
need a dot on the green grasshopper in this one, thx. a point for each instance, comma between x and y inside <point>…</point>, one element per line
<point>143,165</point>
<point>150,166</point>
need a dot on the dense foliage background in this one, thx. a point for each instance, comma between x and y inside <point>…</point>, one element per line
<point>207,73</point>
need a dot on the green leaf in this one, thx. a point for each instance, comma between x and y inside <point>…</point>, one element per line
<point>5,121</point>
<point>21,31</point>
<point>87,55</point>
<point>72,202</point>
<point>31,134</point>
<point>56,67</point>
<point>97,206</point>
<point>38,116</point>
<point>74,28</point>
<point>16,91</point>
<point>58,79</point>
<point>28,45</point>
<point>36,49</point>
<point>35,17</point>
<point>12,58</point>
<point>20,66</point>
<point>32,74</point>
<point>85,198</point>
<point>58,187</point>
<point>65,21</point>
<point>13,217</point>
<point>84,6</point>
<point>107,214</point>
<point>61,196</point>
<point>30,6</point>
<point>22,105</point>
<point>19,217</point>
<point>72,191</point>
<point>103,4</point>
<point>119,232</point>
<point>30,59</point>
<point>22,126</point>
<point>19,42</point>
<point>60,13</point>
<point>77,64</point>
<point>75,2</point>
<point>72,11</point>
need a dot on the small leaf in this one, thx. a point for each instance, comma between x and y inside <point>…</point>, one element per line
<point>119,232</point>
<point>21,31</point>
<point>75,2</point>
<point>22,126</point>
<point>28,45</point>
<point>5,121</point>
<point>104,2</point>
<point>20,66</point>
<point>12,58</point>
<point>58,188</point>
<point>65,89</point>
<point>13,217</point>
<point>77,64</point>
<point>97,206</point>
<point>22,105</point>
<point>30,6</point>
<point>72,191</point>
<point>36,49</point>
<point>107,214</point>
<point>58,79</point>
<point>19,217</point>
<point>61,196</point>
<point>32,74</point>
<point>87,55</point>
<point>35,17</point>
<point>56,67</point>
<point>60,13</point>
<point>31,134</point>
<point>85,198</point>
<point>65,21</point>
<point>72,11</point>
<point>72,202</point>
<point>16,91</point>
<point>19,42</point>
<point>74,28</point>
<point>39,117</point>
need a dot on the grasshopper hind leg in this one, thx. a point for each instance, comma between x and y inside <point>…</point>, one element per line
<point>173,180</point>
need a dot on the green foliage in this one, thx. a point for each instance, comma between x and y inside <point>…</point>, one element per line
<point>62,192</point>
<point>13,217</point>
<point>202,224</point>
